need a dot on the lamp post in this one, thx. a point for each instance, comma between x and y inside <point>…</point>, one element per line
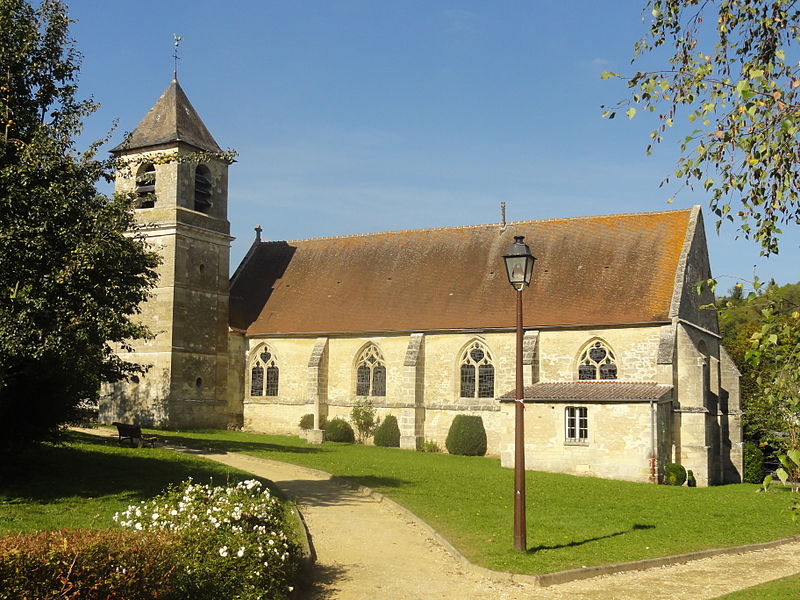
<point>519,266</point>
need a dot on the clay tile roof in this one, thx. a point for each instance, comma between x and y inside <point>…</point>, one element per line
<point>172,119</point>
<point>589,271</point>
<point>593,390</point>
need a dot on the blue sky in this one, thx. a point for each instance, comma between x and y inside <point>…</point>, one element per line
<point>353,116</point>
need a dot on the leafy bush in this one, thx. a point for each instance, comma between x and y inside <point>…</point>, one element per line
<point>674,474</point>
<point>430,446</point>
<point>467,436</point>
<point>307,422</point>
<point>363,417</point>
<point>754,470</point>
<point>388,433</point>
<point>690,480</point>
<point>233,540</point>
<point>86,564</point>
<point>339,430</point>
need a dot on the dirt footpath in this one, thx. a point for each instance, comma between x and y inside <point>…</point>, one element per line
<point>366,549</point>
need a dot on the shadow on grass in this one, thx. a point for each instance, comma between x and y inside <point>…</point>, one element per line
<point>636,527</point>
<point>190,440</point>
<point>49,472</point>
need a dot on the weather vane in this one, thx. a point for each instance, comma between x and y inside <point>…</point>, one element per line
<point>177,39</point>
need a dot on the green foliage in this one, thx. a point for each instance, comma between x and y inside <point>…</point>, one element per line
<point>467,436</point>
<point>674,474</point>
<point>339,430</point>
<point>70,275</point>
<point>768,384</point>
<point>753,463</point>
<point>307,422</point>
<point>363,416</point>
<point>690,479</point>
<point>89,565</point>
<point>388,433</point>
<point>733,70</point>
<point>430,446</point>
<point>232,540</point>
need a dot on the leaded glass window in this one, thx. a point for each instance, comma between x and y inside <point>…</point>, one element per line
<point>476,358</point>
<point>371,373</point>
<point>264,361</point>
<point>257,380</point>
<point>597,362</point>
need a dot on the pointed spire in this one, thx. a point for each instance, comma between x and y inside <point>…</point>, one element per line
<point>172,119</point>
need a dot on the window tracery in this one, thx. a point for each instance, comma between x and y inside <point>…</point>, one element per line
<point>264,374</point>
<point>476,360</point>
<point>597,361</point>
<point>371,373</point>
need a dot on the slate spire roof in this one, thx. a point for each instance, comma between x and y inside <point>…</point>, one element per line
<point>172,119</point>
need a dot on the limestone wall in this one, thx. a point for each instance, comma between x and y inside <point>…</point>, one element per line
<point>423,376</point>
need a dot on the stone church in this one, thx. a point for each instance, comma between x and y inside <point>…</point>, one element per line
<point>624,370</point>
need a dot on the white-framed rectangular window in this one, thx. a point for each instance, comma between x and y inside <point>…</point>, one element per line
<point>576,424</point>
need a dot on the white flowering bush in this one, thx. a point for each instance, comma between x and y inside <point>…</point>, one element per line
<point>233,539</point>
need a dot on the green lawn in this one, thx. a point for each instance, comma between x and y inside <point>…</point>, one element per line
<point>787,588</point>
<point>82,484</point>
<point>572,521</point>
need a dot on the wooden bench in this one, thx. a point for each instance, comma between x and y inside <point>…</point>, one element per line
<point>133,434</point>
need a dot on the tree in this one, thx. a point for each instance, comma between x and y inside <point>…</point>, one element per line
<point>760,333</point>
<point>71,272</point>
<point>733,69</point>
<point>363,417</point>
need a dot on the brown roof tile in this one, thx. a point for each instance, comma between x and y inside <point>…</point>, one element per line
<point>593,390</point>
<point>589,271</point>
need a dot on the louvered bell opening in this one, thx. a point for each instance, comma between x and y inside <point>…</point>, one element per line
<point>146,188</point>
<point>202,192</point>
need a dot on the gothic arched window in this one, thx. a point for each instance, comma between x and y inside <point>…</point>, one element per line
<point>370,373</point>
<point>597,362</point>
<point>146,186</point>
<point>264,364</point>
<point>202,189</point>
<point>476,360</point>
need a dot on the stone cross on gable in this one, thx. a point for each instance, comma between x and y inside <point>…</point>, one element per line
<point>258,233</point>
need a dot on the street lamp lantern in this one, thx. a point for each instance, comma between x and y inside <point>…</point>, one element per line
<point>519,263</point>
<point>519,266</point>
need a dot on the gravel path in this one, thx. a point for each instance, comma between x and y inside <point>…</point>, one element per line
<point>368,549</point>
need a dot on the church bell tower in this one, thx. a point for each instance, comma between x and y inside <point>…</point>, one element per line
<point>179,177</point>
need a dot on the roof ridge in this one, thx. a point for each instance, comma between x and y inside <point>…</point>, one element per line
<point>603,382</point>
<point>479,226</point>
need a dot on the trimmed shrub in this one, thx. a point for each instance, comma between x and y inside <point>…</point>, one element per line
<point>388,433</point>
<point>339,430</point>
<point>467,436</point>
<point>754,469</point>
<point>690,480</point>
<point>307,422</point>
<point>674,474</point>
<point>86,564</point>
